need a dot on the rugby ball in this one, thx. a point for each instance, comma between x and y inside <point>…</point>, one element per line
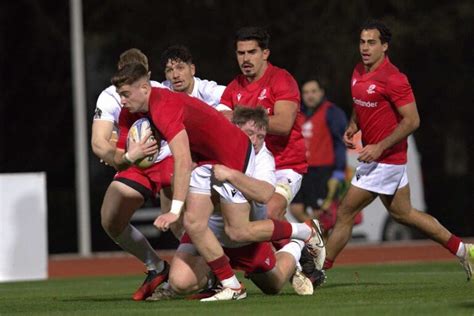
<point>140,128</point>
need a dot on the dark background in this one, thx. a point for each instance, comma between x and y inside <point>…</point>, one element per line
<point>432,44</point>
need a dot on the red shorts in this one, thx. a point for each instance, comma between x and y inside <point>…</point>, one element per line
<point>148,181</point>
<point>256,257</point>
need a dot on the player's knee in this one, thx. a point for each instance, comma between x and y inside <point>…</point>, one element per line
<point>237,234</point>
<point>271,289</point>
<point>276,213</point>
<point>194,223</point>
<point>402,216</point>
<point>110,227</point>
<point>179,284</point>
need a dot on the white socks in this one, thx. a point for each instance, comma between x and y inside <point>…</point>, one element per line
<point>231,282</point>
<point>294,248</point>
<point>300,231</point>
<point>134,242</point>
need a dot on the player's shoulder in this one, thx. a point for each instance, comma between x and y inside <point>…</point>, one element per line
<point>278,73</point>
<point>108,102</point>
<point>165,84</point>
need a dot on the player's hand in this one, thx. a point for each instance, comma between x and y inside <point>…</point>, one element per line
<point>139,150</point>
<point>347,138</point>
<point>222,173</point>
<point>370,153</point>
<point>164,221</point>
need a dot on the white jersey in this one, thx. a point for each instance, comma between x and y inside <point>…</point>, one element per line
<point>207,91</point>
<point>265,171</point>
<point>108,108</point>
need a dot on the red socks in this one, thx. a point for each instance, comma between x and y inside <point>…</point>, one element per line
<point>281,230</point>
<point>221,268</point>
<point>453,244</point>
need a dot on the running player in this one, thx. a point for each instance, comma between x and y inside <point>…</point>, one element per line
<point>386,113</point>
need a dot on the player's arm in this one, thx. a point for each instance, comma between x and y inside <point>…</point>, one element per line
<point>408,124</point>
<point>101,141</point>
<point>253,189</point>
<point>351,130</point>
<point>181,152</point>
<point>283,118</point>
<point>135,151</point>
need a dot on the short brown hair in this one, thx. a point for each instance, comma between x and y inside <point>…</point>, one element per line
<point>131,56</point>
<point>244,114</point>
<point>129,74</point>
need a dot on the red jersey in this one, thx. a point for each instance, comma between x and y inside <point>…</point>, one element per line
<point>212,138</point>
<point>375,96</point>
<point>276,84</point>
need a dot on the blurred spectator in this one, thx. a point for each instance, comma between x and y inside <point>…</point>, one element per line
<point>325,151</point>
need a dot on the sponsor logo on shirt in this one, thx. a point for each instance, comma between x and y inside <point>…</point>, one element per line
<point>366,104</point>
<point>234,192</point>
<point>263,95</point>
<point>371,89</point>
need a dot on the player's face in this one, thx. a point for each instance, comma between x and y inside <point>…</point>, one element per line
<point>181,75</point>
<point>134,97</point>
<point>312,94</point>
<point>257,135</point>
<point>252,59</point>
<point>371,48</point>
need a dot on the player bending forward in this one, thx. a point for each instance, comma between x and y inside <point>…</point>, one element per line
<point>268,270</point>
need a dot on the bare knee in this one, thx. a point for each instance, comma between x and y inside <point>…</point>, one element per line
<point>180,284</point>
<point>194,223</point>
<point>276,207</point>
<point>112,227</point>
<point>403,216</point>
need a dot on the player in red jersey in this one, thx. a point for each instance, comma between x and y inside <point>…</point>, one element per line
<point>386,113</point>
<point>262,84</point>
<point>190,126</point>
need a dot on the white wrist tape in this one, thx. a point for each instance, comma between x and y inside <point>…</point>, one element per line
<point>127,159</point>
<point>176,207</point>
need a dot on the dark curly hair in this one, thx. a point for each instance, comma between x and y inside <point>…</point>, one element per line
<point>176,53</point>
<point>385,33</point>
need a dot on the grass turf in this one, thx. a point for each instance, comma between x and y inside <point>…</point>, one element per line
<point>408,289</point>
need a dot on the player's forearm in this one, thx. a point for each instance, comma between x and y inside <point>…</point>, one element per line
<point>353,122</point>
<point>104,150</point>
<point>280,124</point>
<point>253,189</point>
<point>121,162</point>
<point>181,177</point>
<point>406,127</point>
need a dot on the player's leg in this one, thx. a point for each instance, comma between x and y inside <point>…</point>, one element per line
<point>189,272</point>
<point>272,281</point>
<point>120,202</point>
<point>400,208</point>
<point>353,202</point>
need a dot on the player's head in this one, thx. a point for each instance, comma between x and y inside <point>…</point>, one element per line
<point>373,43</point>
<point>253,122</point>
<point>133,86</point>
<point>312,93</point>
<point>131,56</point>
<point>251,47</point>
<point>177,62</point>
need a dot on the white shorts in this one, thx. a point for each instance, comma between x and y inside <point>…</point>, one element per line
<point>288,183</point>
<point>202,182</point>
<point>380,178</point>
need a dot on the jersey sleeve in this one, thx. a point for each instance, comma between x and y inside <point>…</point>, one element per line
<point>211,92</point>
<point>265,167</point>
<point>285,88</point>
<point>107,107</point>
<point>399,90</point>
<point>226,98</point>
<point>168,116</point>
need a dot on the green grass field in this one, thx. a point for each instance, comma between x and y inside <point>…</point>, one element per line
<point>408,289</point>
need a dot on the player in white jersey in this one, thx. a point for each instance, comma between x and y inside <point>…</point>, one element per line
<point>269,271</point>
<point>179,69</point>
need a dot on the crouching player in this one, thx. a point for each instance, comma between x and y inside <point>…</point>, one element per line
<point>268,270</point>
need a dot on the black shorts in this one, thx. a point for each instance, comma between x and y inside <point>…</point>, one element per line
<point>314,187</point>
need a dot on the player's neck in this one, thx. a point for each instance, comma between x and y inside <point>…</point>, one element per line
<point>370,68</point>
<point>190,89</point>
